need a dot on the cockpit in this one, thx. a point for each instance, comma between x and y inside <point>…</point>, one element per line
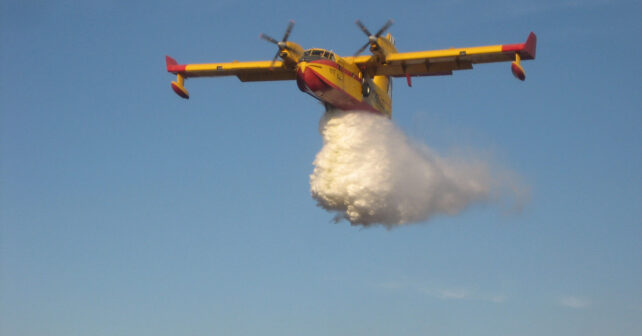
<point>316,54</point>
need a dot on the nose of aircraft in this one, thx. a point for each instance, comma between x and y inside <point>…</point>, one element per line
<point>308,80</point>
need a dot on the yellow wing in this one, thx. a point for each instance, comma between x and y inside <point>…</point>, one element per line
<point>245,71</point>
<point>444,62</point>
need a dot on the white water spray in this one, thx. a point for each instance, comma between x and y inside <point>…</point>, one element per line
<point>369,172</point>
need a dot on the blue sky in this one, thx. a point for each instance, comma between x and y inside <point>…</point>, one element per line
<point>126,210</point>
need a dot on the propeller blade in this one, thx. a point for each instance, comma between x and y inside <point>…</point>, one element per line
<point>274,59</point>
<point>288,31</point>
<point>268,38</point>
<point>362,49</point>
<point>384,28</point>
<point>282,45</point>
<point>363,28</point>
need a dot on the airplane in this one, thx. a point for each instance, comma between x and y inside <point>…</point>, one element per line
<point>358,82</point>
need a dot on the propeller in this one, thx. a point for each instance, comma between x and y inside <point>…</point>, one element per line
<point>281,44</point>
<point>372,39</point>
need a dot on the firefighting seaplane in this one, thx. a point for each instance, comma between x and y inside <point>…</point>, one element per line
<point>358,82</point>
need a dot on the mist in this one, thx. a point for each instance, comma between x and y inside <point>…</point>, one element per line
<point>370,173</point>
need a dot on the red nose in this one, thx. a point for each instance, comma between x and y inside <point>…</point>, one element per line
<point>309,81</point>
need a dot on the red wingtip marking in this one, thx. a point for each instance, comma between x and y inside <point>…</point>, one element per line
<point>170,61</point>
<point>530,47</point>
<point>526,50</point>
<point>512,47</point>
<point>173,66</point>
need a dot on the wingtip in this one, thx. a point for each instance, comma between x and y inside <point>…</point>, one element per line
<point>530,46</point>
<point>170,61</point>
<point>173,66</point>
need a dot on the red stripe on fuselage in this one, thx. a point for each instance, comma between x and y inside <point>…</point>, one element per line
<point>336,66</point>
<point>176,68</point>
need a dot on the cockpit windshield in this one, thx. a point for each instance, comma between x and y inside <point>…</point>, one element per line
<point>315,54</point>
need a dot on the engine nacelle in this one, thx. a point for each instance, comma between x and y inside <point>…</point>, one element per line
<point>291,54</point>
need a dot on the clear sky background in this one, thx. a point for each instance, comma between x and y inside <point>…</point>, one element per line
<point>126,210</point>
